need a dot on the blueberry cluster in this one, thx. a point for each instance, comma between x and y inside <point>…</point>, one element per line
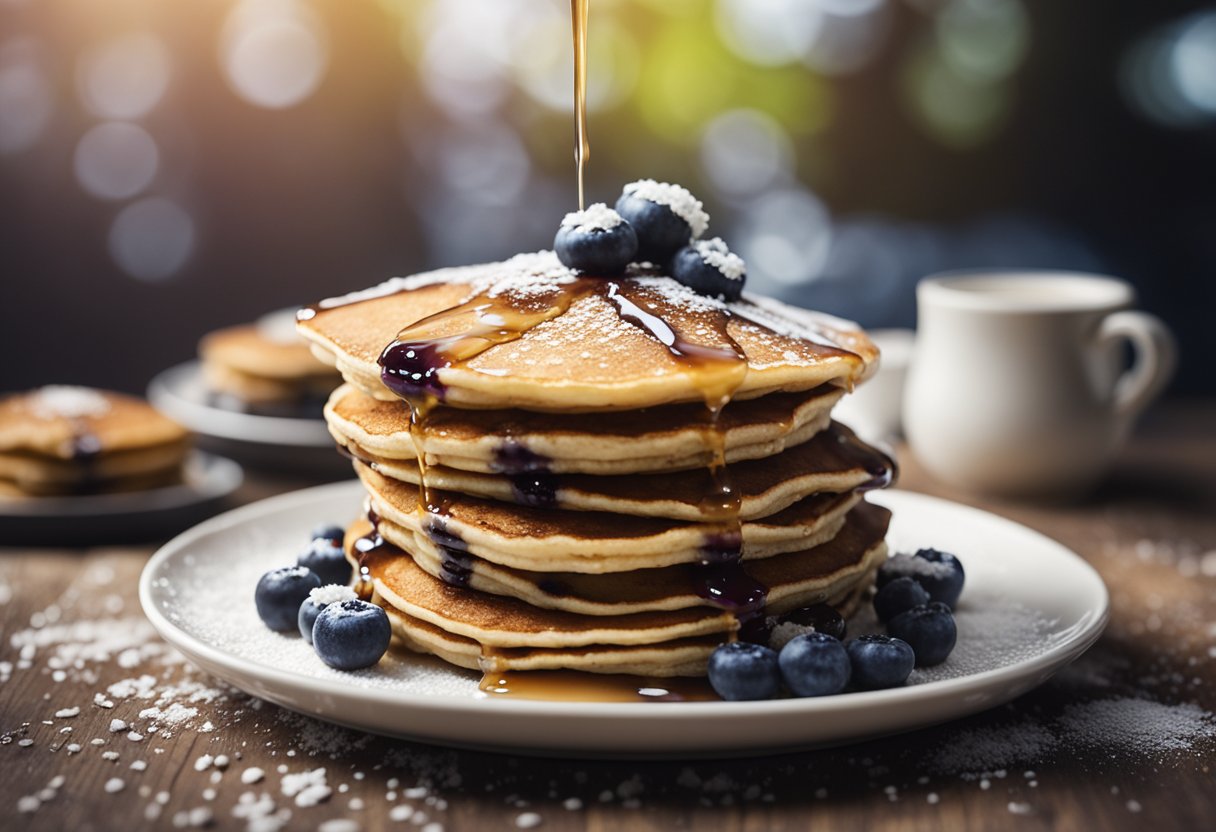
<point>652,222</point>
<point>915,599</point>
<point>314,598</point>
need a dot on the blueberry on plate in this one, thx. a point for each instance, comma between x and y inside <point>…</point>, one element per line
<point>814,664</point>
<point>317,600</point>
<point>709,268</point>
<point>940,573</point>
<point>665,217</point>
<point>329,531</point>
<point>822,618</point>
<point>899,595</point>
<point>596,241</point>
<point>327,559</point>
<point>741,671</point>
<point>350,635</point>
<point>929,629</point>
<point>880,661</point>
<point>279,594</point>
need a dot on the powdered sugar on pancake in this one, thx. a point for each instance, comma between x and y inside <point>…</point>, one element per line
<point>61,401</point>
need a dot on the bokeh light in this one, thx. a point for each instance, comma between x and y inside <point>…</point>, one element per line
<point>116,160</point>
<point>273,52</point>
<point>983,39</point>
<point>1193,63</point>
<point>26,96</point>
<point>768,32</point>
<point>123,77</point>
<point>785,236</point>
<point>152,239</point>
<point>745,152</point>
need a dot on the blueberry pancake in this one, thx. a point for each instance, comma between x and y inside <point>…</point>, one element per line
<point>61,440</point>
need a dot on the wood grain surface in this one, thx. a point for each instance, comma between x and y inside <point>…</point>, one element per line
<point>1065,756</point>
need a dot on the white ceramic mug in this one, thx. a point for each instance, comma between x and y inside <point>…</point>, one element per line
<point>1017,384</point>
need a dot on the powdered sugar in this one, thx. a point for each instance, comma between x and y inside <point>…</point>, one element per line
<point>682,203</point>
<point>596,217</point>
<point>331,594</point>
<point>67,402</point>
<point>715,253</point>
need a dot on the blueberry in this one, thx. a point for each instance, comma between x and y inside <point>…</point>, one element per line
<point>328,560</point>
<point>350,635</point>
<point>708,267</point>
<point>899,595</point>
<point>814,664</point>
<point>880,661</point>
<point>741,671</point>
<point>317,600</point>
<point>929,629</point>
<point>665,217</point>
<point>280,593</point>
<point>823,617</point>
<point>940,573</point>
<point>596,241</point>
<point>329,531</point>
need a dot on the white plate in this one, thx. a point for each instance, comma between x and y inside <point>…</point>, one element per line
<point>198,592</point>
<point>267,441</point>
<point>128,516</point>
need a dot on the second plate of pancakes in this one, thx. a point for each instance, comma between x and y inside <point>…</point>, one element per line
<point>187,593</point>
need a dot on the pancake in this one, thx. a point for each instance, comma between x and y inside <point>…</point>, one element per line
<point>834,461</point>
<point>681,657</point>
<point>592,542</point>
<point>659,439</point>
<point>559,342</point>
<point>61,440</point>
<point>264,363</point>
<point>793,580</point>
<point>501,621</point>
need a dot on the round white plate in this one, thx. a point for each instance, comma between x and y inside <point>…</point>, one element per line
<point>1030,607</point>
<point>127,516</point>
<point>270,441</point>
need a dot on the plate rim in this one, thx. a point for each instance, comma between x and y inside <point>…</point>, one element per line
<point>275,431</point>
<point>1083,635</point>
<point>224,477</point>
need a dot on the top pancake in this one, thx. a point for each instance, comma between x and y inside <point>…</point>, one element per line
<point>589,357</point>
<point>67,423</point>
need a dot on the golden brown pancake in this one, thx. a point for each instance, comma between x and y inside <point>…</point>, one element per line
<point>665,438</point>
<point>589,357</point>
<point>794,579</point>
<point>259,367</point>
<point>594,542</point>
<point>834,461</point>
<point>66,440</point>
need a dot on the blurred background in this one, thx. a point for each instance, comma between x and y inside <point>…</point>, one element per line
<point>170,167</point>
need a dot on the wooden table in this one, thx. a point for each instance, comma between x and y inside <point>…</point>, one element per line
<point>1048,760</point>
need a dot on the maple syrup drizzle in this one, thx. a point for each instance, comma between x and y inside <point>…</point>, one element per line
<point>582,148</point>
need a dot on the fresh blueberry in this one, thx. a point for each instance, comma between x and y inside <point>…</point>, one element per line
<point>350,635</point>
<point>596,241</point>
<point>741,671</point>
<point>328,560</point>
<point>317,600</point>
<point>665,217</point>
<point>880,661</point>
<point>279,594</point>
<point>709,267</point>
<point>822,617</point>
<point>899,595</point>
<point>329,531</point>
<point>940,573</point>
<point>929,629</point>
<point>814,664</point>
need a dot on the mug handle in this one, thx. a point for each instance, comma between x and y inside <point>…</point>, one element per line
<point>1156,356</point>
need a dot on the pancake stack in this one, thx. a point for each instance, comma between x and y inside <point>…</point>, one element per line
<point>603,474</point>
<point>265,368</point>
<point>61,440</point>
